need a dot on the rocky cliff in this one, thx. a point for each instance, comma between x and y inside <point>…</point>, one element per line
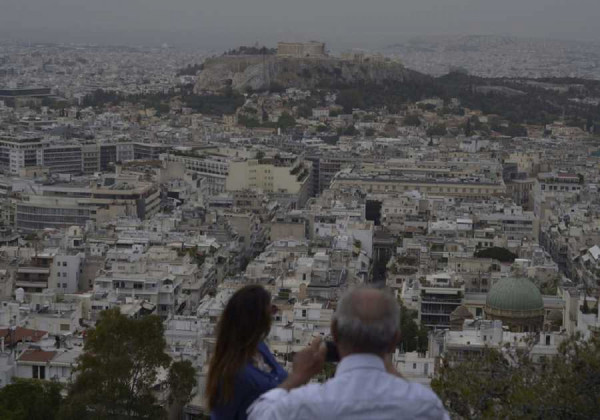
<point>262,72</point>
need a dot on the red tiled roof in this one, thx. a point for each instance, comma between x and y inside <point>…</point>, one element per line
<point>36,355</point>
<point>21,334</point>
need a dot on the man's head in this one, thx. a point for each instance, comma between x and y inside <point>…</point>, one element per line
<point>367,320</point>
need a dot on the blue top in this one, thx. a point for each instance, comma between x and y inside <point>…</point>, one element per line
<point>250,383</point>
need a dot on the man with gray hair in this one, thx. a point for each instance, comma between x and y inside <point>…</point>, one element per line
<point>365,329</point>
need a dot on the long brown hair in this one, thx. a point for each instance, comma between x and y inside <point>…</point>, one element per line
<point>245,322</point>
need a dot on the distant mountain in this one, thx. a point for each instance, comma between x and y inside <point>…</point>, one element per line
<point>499,56</point>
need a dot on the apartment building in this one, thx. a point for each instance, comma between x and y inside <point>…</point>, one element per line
<point>18,152</point>
<point>385,182</point>
<point>439,297</point>
<point>211,166</point>
<point>552,186</point>
<point>74,203</point>
<point>284,177</point>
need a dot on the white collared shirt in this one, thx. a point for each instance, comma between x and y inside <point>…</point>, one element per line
<point>360,389</point>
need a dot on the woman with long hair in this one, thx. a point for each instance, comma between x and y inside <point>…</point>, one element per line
<point>242,367</point>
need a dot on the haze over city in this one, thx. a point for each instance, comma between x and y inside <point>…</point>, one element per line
<point>342,23</point>
<point>309,210</point>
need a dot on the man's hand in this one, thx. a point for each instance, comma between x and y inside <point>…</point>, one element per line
<point>307,363</point>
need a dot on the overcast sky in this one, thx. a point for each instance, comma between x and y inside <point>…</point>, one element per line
<point>221,24</point>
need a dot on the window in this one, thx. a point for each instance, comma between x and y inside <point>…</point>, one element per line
<point>64,263</point>
<point>65,327</point>
<point>548,340</point>
<point>38,372</point>
<point>64,285</point>
<point>414,365</point>
<point>303,313</point>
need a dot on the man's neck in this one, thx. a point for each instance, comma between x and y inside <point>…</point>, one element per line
<point>386,357</point>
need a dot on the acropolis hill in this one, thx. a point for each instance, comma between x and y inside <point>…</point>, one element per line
<point>298,65</point>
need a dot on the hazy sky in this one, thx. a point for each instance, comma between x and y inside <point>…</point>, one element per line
<point>341,23</point>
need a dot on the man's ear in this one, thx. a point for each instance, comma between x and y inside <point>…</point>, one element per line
<point>395,342</point>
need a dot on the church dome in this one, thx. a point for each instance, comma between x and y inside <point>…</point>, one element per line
<point>514,297</point>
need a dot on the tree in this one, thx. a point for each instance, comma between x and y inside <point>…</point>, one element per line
<point>350,131</point>
<point>497,253</point>
<point>468,128</point>
<point>181,380</point>
<point>515,130</point>
<point>437,130</point>
<point>589,124</point>
<point>118,369</point>
<point>413,335</point>
<point>30,399</point>
<point>350,99</point>
<point>286,121</point>
<point>411,121</point>
<point>162,108</point>
<point>509,384</point>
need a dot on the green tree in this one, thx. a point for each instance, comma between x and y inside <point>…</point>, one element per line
<point>286,121</point>
<point>437,130</point>
<point>414,336</point>
<point>181,380</point>
<point>30,399</point>
<point>411,120</point>
<point>509,384</point>
<point>350,99</point>
<point>497,253</point>
<point>162,108</point>
<point>468,128</point>
<point>247,121</point>
<point>350,131</point>
<point>515,130</point>
<point>118,369</point>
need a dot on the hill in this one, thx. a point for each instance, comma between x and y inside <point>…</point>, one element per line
<point>262,72</point>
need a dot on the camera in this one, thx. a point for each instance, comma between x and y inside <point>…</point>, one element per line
<point>332,354</point>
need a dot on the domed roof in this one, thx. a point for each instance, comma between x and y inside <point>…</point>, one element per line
<point>515,294</point>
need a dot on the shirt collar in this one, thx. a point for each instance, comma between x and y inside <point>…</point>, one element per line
<point>359,361</point>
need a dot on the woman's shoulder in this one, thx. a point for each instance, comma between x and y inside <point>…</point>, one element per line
<point>263,348</point>
<point>265,351</point>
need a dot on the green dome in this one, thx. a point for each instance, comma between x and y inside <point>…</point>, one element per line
<point>514,295</point>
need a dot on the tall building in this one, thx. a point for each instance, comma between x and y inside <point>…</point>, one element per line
<point>61,205</point>
<point>212,166</point>
<point>284,177</point>
<point>148,151</point>
<point>325,166</point>
<point>18,152</point>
